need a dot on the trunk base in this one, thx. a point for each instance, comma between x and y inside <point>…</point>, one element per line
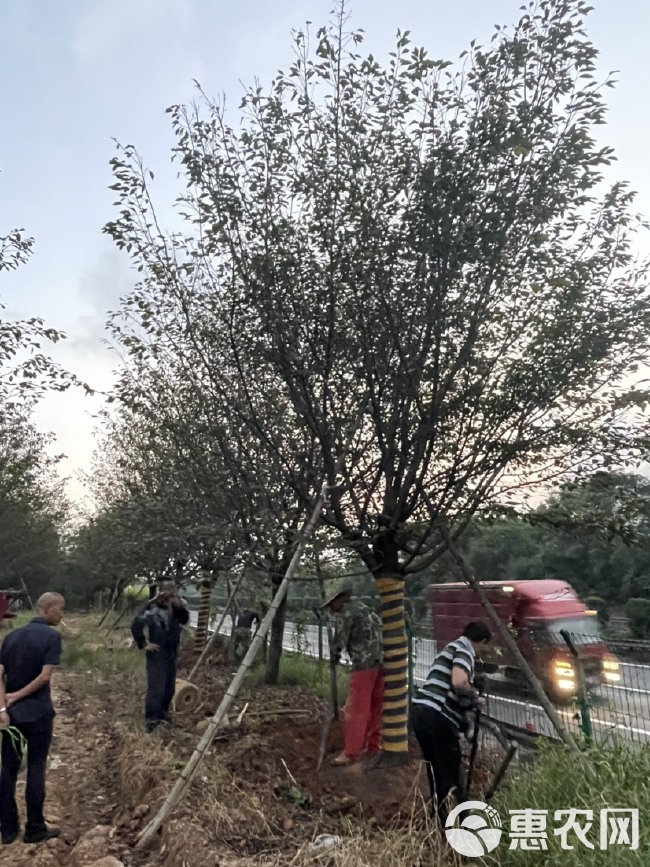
<point>387,760</point>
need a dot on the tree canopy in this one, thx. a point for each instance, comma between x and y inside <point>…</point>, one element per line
<point>33,510</point>
<point>430,242</point>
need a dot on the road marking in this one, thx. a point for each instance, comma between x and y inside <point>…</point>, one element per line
<point>628,689</point>
<point>569,716</point>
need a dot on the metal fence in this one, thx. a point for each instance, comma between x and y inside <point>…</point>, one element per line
<point>600,689</point>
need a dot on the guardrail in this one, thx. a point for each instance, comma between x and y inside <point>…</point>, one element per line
<point>616,705</point>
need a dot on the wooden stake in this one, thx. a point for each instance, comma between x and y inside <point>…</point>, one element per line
<point>511,644</point>
<point>25,588</point>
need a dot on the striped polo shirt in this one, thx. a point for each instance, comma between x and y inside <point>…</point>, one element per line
<point>436,691</point>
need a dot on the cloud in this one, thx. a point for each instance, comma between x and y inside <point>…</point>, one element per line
<point>100,290</point>
<point>138,43</point>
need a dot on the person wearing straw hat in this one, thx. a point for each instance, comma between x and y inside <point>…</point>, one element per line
<point>161,620</point>
<point>357,630</point>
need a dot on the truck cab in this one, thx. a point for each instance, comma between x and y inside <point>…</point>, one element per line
<point>536,612</point>
<point>10,601</point>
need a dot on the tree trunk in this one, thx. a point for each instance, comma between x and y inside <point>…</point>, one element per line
<point>277,635</point>
<point>203,618</point>
<point>395,713</point>
<point>390,586</point>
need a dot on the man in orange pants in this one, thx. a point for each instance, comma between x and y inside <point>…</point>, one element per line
<point>358,631</point>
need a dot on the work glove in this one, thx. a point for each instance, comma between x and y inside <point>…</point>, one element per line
<point>468,700</point>
<point>480,683</point>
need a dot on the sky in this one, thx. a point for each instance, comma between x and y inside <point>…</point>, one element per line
<point>77,74</point>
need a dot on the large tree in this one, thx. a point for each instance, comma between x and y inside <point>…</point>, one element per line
<point>175,451</point>
<point>33,510</point>
<point>436,243</point>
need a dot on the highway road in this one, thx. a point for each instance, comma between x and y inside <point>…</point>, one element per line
<point>622,709</point>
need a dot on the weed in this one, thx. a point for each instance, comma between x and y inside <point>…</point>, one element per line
<point>554,784</point>
<point>312,674</point>
<point>76,653</point>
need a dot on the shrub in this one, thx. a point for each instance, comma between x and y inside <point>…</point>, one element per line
<point>598,604</point>
<point>638,615</point>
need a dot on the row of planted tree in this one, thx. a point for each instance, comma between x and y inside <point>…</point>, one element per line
<point>406,281</point>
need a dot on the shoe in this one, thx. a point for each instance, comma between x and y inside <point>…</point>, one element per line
<point>342,760</point>
<point>8,839</point>
<point>41,836</point>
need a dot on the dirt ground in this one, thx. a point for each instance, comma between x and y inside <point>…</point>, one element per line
<point>256,795</point>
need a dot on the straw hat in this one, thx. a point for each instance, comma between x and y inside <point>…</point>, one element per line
<point>342,589</point>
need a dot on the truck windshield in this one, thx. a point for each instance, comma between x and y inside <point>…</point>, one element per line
<point>583,630</point>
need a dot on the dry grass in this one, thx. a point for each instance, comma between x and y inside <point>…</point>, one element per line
<point>145,763</point>
<point>224,808</point>
<point>224,820</point>
<point>417,844</point>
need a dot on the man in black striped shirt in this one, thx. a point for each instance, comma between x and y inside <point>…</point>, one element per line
<point>438,710</point>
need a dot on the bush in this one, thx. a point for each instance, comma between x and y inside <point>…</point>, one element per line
<point>637,612</point>
<point>622,781</point>
<point>136,592</point>
<point>598,604</point>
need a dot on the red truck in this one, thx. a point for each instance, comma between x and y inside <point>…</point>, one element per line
<point>8,602</point>
<point>535,612</point>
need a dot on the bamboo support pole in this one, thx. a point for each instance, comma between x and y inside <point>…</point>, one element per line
<point>126,608</point>
<point>111,604</point>
<point>182,784</point>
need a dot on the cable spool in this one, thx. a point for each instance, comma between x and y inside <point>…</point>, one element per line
<point>186,697</point>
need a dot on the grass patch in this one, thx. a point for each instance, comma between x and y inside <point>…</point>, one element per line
<point>105,663</point>
<point>557,783</point>
<point>22,618</point>
<point>311,674</point>
<point>76,654</point>
<point>89,649</point>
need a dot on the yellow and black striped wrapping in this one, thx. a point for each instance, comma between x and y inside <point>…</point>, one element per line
<point>203,619</point>
<point>395,714</point>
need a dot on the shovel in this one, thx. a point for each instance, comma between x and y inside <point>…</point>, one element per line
<point>473,751</point>
<point>503,767</point>
<point>332,714</point>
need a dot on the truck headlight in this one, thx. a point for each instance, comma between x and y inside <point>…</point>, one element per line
<point>611,670</point>
<point>564,670</point>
